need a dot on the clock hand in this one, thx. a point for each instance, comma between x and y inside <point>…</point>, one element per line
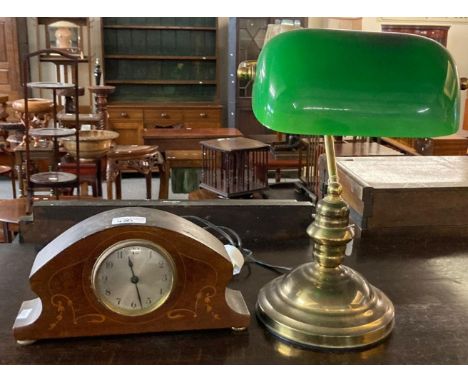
<point>134,279</point>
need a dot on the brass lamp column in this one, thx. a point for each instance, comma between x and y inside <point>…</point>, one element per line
<point>324,303</point>
<point>330,82</point>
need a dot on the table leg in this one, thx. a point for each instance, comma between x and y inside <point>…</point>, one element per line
<point>13,174</point>
<point>6,233</point>
<point>118,186</point>
<point>148,177</point>
<point>278,175</point>
<point>110,177</point>
<point>19,164</point>
<point>98,178</point>
<point>164,181</point>
<point>109,189</point>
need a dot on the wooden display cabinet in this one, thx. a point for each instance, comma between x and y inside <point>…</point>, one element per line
<point>165,73</point>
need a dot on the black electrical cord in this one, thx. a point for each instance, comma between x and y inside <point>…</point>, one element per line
<point>214,227</point>
<point>234,239</point>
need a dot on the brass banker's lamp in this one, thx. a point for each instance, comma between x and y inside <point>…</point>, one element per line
<point>329,82</point>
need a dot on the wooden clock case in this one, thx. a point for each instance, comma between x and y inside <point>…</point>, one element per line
<point>67,305</point>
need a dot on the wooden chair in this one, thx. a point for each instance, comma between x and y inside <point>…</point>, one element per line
<point>6,170</point>
<point>11,210</point>
<point>9,171</point>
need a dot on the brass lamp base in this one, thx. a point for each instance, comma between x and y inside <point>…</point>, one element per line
<point>324,303</point>
<point>325,307</point>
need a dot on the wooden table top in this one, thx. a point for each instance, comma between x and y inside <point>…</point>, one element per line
<point>184,158</point>
<point>4,169</point>
<point>234,144</point>
<point>11,210</point>
<point>131,151</point>
<point>53,179</point>
<point>201,133</point>
<point>183,155</point>
<point>428,288</point>
<point>82,118</point>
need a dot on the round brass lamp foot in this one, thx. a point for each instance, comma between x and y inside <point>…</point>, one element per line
<point>323,307</point>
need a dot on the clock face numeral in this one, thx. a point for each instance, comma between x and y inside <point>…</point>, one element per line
<point>141,276</point>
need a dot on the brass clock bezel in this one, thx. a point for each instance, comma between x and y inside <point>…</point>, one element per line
<point>126,243</point>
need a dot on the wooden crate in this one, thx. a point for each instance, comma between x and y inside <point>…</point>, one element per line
<point>348,149</point>
<point>401,193</point>
<point>234,167</point>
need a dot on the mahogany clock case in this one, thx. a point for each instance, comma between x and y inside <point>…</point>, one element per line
<point>67,305</point>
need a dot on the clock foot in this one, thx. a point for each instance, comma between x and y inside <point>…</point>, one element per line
<point>25,342</point>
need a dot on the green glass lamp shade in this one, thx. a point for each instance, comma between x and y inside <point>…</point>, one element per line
<point>330,82</point>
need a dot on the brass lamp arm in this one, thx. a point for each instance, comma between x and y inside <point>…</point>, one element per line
<point>331,159</point>
<point>246,70</point>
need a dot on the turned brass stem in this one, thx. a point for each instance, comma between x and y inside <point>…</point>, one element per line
<point>325,303</point>
<point>330,230</point>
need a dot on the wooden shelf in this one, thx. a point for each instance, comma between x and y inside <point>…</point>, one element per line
<point>161,59</point>
<point>61,59</point>
<point>51,132</point>
<point>53,179</point>
<point>50,85</point>
<point>149,57</point>
<point>160,27</point>
<point>161,82</point>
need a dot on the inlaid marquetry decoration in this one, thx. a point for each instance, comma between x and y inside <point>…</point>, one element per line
<point>130,270</point>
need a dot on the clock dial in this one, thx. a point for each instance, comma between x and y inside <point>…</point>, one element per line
<point>133,277</point>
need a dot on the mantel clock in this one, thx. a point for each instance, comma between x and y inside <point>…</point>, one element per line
<point>130,270</point>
